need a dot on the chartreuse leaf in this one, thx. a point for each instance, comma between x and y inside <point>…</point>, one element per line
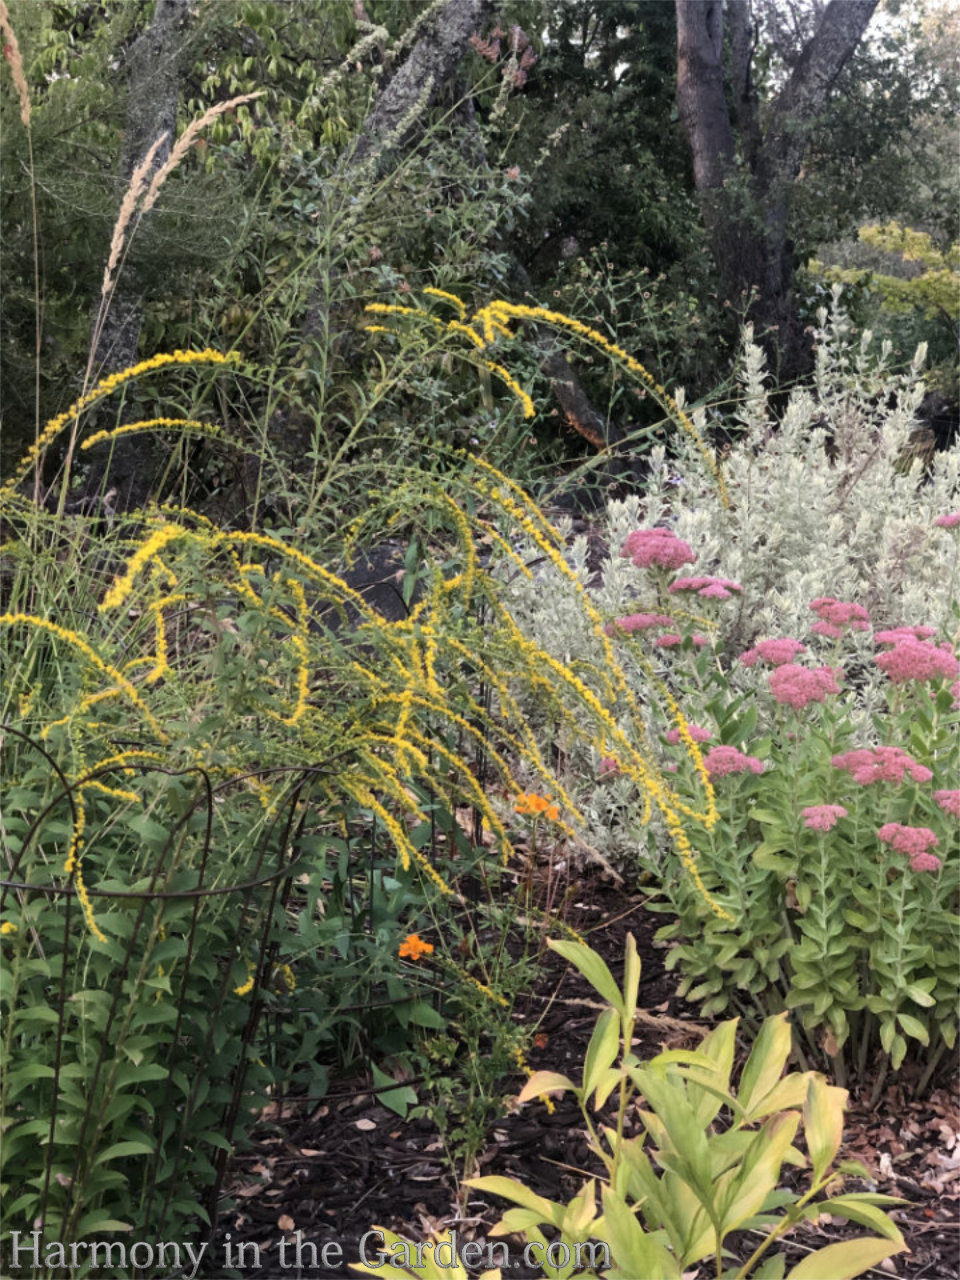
<point>719,1047</point>
<point>545,1082</point>
<point>861,1209</point>
<point>767,1059</point>
<point>633,1252</point>
<point>405,1262</point>
<point>843,1261</point>
<point>580,1212</point>
<point>593,969</point>
<point>823,1122</point>
<point>760,1171</point>
<point>601,1050</point>
<point>631,986</point>
<point>510,1189</point>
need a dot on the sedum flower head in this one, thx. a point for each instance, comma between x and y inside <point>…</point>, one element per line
<point>777,652</point>
<point>638,622</point>
<point>823,817</point>
<point>697,733</point>
<point>707,586</point>
<point>798,686</point>
<point>913,841</point>
<point>949,802</point>
<point>720,761</point>
<point>911,659</point>
<point>894,635</point>
<point>839,613</point>
<point>951,521</point>
<point>660,548</point>
<point>880,764</point>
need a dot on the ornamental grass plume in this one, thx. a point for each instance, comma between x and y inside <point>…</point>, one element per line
<point>911,659</point>
<point>880,764</point>
<point>823,817</point>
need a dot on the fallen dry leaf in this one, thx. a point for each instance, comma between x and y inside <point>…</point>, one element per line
<point>365,1125</point>
<point>285,1222</point>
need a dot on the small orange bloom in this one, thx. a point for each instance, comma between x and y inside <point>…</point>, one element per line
<point>533,805</point>
<point>413,947</point>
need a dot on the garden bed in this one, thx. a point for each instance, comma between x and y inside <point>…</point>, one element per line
<point>333,1169</point>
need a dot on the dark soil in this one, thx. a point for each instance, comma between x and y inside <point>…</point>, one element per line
<point>334,1170</point>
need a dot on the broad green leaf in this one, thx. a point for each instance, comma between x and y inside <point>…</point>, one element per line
<point>766,1062</point>
<point>132,1147</point>
<point>914,1027</point>
<point>843,1261</point>
<point>823,1122</point>
<point>719,1046</point>
<point>593,969</point>
<point>601,1051</point>
<point>398,1099</point>
<point>760,1172</point>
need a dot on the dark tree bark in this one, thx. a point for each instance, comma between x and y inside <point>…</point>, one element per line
<point>746,202</point>
<point>153,81</point>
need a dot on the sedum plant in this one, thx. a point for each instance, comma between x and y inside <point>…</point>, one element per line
<point>707,1159</point>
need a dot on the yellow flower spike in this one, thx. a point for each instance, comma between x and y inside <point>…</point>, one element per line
<point>245,988</point>
<point>521,1061</point>
<point>390,309</point>
<point>376,328</point>
<point>123,584</point>
<point>169,508</point>
<point>503,311</point>
<point>448,297</point>
<point>407,851</point>
<point>122,759</point>
<point>116,793</point>
<point>103,388</point>
<point>311,567</point>
<point>8,928</point>
<point>71,637</point>
<point>471,333</point>
<point>152,424</point>
<point>525,401</point>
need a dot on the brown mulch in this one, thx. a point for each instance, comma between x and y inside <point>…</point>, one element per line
<point>330,1171</point>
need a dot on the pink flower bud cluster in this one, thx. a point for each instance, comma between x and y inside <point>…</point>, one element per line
<point>672,638</point>
<point>719,761</point>
<point>608,767</point>
<point>657,547</point>
<point>707,586</point>
<point>777,652</point>
<point>911,659</point>
<point>822,817</point>
<point>895,635</point>
<point>798,686</point>
<point>880,764</point>
<point>696,733</point>
<point>637,622</point>
<point>915,842</point>
<point>950,521</point>
<point>835,615</point>
<point>949,802</point>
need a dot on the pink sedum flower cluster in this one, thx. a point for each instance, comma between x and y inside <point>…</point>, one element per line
<point>707,586</point>
<point>911,659</point>
<point>880,764</point>
<point>608,767</point>
<point>836,615</point>
<point>915,842</point>
<point>895,635</point>
<point>637,622</point>
<point>657,547</point>
<point>720,761</point>
<point>777,652</point>
<point>949,802</point>
<point>823,817</point>
<point>697,733</point>
<point>950,521</point>
<point>798,686</point>
<point>671,639</point>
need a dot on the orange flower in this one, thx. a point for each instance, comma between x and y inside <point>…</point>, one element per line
<point>533,805</point>
<point>413,947</point>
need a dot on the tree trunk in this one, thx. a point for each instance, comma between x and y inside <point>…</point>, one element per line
<point>747,221</point>
<point>152,74</point>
